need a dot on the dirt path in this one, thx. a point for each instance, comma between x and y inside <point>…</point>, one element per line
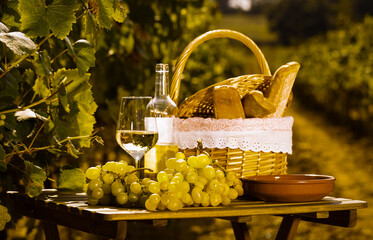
<point>323,148</point>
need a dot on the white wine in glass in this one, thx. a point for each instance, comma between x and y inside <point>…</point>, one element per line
<point>135,133</point>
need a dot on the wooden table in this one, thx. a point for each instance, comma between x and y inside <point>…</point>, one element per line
<point>71,210</point>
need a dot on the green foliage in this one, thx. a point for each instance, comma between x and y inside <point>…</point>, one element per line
<point>34,178</point>
<point>38,18</point>
<point>46,103</point>
<point>337,74</point>
<point>71,179</point>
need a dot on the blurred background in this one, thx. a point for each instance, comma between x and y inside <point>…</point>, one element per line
<point>333,92</point>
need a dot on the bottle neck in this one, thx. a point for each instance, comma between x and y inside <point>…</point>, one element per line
<point>161,80</point>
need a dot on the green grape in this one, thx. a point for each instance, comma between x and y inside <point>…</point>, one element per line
<point>117,187</point>
<point>202,160</point>
<point>225,200</point>
<point>180,155</point>
<point>197,195</point>
<point>107,177</point>
<point>130,168</point>
<point>171,163</point>
<point>219,174</point>
<point>203,180</point>
<point>192,177</point>
<point>150,206</point>
<point>169,171</point>
<point>184,186</point>
<point>174,204</point>
<point>131,178</point>
<point>110,166</point>
<point>226,189</point>
<point>97,193</point>
<point>155,197</point>
<point>213,184</point>
<point>239,190</point>
<point>237,181</point>
<point>105,200</point>
<point>122,198</point>
<point>220,188</point>
<point>176,179</point>
<point>162,176</point>
<point>165,199</point>
<point>3,117</point>
<point>188,170</point>
<point>146,182</point>
<point>92,173</point>
<point>208,172</point>
<point>107,188</point>
<point>161,206</point>
<point>135,187</point>
<point>142,200</point>
<point>133,197</point>
<point>95,183</point>
<point>121,168</point>
<point>231,176</point>
<point>180,165</point>
<point>173,186</point>
<point>215,199</point>
<point>92,201</point>
<point>192,161</point>
<point>2,122</point>
<point>179,175</point>
<point>205,200</point>
<point>232,194</point>
<point>164,185</point>
<point>187,199</point>
<point>154,187</point>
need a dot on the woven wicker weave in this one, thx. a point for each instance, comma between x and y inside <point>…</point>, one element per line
<point>244,163</point>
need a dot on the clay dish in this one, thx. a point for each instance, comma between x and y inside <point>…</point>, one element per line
<point>289,188</point>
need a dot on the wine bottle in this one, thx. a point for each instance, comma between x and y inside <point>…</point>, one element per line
<point>165,111</point>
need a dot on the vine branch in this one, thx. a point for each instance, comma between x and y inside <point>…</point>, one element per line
<point>24,56</point>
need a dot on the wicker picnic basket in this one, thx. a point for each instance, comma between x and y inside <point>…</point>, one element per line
<point>244,162</point>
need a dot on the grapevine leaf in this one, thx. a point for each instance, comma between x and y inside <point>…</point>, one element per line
<point>42,63</point>
<point>18,42</point>
<point>120,12</point>
<point>71,179</point>
<point>3,28</point>
<point>41,87</point>
<point>28,76</point>
<point>89,27</point>
<point>84,56</point>
<point>80,120</point>
<point>62,97</point>
<point>10,14</point>
<point>104,10</point>
<point>34,178</point>
<point>9,87</point>
<point>37,18</point>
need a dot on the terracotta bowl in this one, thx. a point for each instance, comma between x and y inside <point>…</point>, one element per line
<point>289,188</point>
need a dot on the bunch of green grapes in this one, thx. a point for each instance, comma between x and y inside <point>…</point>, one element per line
<point>191,182</point>
<point>4,217</point>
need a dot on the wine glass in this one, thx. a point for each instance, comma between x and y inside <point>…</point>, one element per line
<point>136,129</point>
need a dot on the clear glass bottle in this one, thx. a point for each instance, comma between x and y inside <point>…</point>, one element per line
<point>165,111</point>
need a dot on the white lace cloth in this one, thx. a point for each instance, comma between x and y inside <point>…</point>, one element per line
<point>254,134</point>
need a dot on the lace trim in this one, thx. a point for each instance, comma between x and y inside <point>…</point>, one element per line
<point>254,134</point>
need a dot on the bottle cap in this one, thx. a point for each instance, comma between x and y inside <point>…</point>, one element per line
<point>160,67</point>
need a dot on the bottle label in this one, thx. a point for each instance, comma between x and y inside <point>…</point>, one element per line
<point>165,129</point>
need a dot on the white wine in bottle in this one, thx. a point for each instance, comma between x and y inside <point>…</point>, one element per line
<point>165,111</point>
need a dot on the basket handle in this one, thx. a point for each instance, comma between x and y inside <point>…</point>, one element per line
<point>221,33</point>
